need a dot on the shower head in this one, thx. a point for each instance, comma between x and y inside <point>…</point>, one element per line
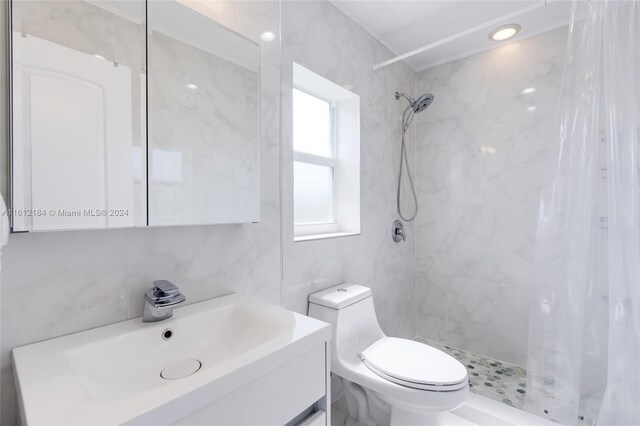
<point>415,106</point>
<point>422,103</point>
<point>418,105</point>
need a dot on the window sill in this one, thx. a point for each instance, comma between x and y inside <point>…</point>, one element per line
<point>325,236</point>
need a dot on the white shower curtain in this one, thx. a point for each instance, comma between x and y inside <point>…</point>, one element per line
<point>584,340</point>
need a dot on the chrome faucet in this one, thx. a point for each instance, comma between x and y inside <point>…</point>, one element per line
<point>160,300</point>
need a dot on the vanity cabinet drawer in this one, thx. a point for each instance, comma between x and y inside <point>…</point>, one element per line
<point>319,418</point>
<point>273,399</point>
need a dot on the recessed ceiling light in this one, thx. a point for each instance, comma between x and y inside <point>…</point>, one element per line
<point>98,56</point>
<point>267,36</point>
<point>504,32</point>
<point>192,86</point>
<point>528,90</point>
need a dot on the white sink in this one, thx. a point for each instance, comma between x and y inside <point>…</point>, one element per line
<point>112,374</point>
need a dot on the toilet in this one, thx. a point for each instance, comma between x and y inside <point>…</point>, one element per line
<point>387,380</point>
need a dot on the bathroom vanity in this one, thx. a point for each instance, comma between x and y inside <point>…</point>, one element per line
<point>225,361</point>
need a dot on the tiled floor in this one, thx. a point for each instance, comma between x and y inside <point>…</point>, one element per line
<point>500,381</point>
<point>497,380</point>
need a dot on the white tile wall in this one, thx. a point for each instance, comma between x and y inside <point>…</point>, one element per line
<point>484,149</point>
<point>319,37</point>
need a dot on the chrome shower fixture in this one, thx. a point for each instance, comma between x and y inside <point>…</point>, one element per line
<point>415,106</point>
<point>418,105</point>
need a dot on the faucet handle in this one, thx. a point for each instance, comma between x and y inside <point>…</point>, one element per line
<point>159,301</point>
<point>165,287</point>
<point>397,232</point>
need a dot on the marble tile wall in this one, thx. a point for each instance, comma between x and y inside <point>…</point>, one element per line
<point>484,149</point>
<point>57,283</point>
<point>319,37</point>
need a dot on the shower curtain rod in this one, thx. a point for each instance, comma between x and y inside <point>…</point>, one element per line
<point>497,21</point>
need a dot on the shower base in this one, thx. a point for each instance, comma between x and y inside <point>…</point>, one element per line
<point>488,377</point>
<point>496,380</point>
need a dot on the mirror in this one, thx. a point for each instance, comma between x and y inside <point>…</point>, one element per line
<point>78,108</point>
<point>204,120</point>
<point>131,113</point>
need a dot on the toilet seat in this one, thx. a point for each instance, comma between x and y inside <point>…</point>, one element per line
<point>414,365</point>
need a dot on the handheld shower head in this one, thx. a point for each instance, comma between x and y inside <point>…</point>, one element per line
<point>423,102</point>
<point>415,106</point>
<point>418,105</point>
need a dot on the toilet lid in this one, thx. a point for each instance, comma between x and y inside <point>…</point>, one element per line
<point>414,364</point>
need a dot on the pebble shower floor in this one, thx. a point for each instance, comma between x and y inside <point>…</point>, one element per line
<point>494,379</point>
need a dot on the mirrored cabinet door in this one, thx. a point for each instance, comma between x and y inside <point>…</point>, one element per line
<point>78,114</point>
<point>131,113</point>
<point>204,119</point>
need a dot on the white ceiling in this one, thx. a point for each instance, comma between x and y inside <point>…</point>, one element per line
<point>406,25</point>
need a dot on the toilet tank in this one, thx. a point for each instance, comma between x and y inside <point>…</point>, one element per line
<point>350,311</point>
<point>340,296</point>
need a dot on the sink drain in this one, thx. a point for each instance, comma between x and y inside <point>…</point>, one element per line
<point>180,369</point>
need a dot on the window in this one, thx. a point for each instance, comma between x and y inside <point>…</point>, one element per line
<point>314,163</point>
<point>326,150</point>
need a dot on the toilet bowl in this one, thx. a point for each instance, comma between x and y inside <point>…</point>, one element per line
<point>387,380</point>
